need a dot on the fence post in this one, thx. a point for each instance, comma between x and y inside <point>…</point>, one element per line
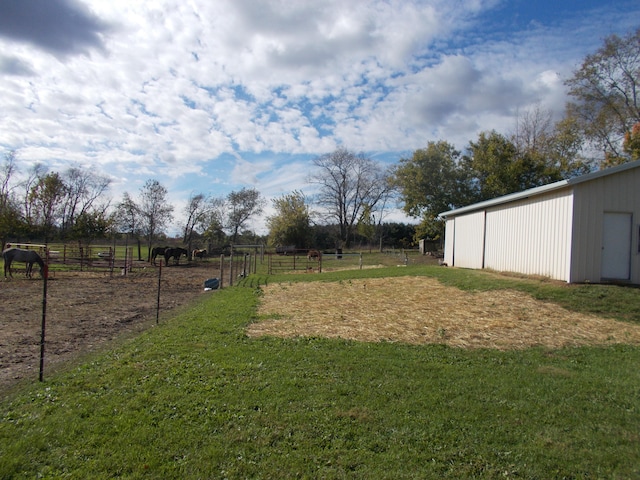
<point>221,269</point>
<point>360,260</point>
<point>45,276</point>
<point>158,304</point>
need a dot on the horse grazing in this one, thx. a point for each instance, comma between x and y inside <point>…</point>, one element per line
<point>313,254</point>
<point>176,253</point>
<point>155,252</point>
<point>198,253</point>
<point>19,255</point>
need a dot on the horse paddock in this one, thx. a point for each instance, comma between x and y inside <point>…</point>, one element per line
<point>84,311</point>
<point>420,310</point>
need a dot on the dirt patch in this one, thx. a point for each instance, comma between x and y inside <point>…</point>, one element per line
<point>419,310</point>
<point>84,311</point>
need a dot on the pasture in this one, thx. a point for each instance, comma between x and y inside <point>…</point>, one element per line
<point>228,388</point>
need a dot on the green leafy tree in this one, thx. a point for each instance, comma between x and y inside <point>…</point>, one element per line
<point>89,226</point>
<point>46,198</point>
<point>605,90</point>
<point>291,223</point>
<point>431,182</point>
<point>566,149</point>
<point>495,167</point>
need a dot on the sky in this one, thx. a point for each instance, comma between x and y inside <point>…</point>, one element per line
<point>212,96</point>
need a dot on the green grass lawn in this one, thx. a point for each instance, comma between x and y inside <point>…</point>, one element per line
<point>195,398</point>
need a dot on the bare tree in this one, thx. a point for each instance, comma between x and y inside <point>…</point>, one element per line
<point>533,130</point>
<point>606,92</point>
<point>128,219</point>
<point>155,211</point>
<point>7,171</point>
<point>349,185</point>
<point>34,174</point>
<point>9,210</point>
<point>84,187</point>
<point>213,223</point>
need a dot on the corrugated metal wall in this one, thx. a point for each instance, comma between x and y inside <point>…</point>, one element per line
<point>469,240</point>
<point>557,233</point>
<point>449,237</point>
<point>618,193</point>
<point>531,236</point>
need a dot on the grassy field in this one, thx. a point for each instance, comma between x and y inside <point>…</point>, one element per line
<point>196,398</point>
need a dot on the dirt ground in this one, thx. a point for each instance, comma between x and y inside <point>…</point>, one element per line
<point>420,310</point>
<point>85,310</point>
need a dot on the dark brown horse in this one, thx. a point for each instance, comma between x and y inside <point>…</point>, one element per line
<point>19,255</point>
<point>157,251</point>
<point>313,254</point>
<point>176,253</point>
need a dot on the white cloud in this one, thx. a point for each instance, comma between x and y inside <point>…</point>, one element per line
<point>172,90</point>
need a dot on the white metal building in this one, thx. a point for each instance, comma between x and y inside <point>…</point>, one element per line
<point>586,229</point>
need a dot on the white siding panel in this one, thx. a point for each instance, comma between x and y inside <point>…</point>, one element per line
<point>618,193</point>
<point>469,240</point>
<point>449,237</point>
<point>531,236</point>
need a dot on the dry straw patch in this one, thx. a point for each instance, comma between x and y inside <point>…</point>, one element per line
<point>419,310</point>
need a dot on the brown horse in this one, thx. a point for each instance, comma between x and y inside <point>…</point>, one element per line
<point>198,254</point>
<point>313,254</point>
<point>155,252</point>
<point>176,253</point>
<point>19,255</point>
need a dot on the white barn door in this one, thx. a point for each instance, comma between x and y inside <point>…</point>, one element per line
<point>616,246</point>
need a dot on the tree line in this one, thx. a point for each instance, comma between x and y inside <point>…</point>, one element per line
<point>600,129</point>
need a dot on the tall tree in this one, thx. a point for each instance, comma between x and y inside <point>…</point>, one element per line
<point>242,205</point>
<point>291,223</point>
<point>9,210</point>
<point>213,224</point>
<point>347,184</point>
<point>46,197</point>
<point>89,226</point>
<point>606,89</point>
<point>128,219</point>
<point>35,173</point>
<point>551,152</point>
<point>7,171</point>
<point>155,210</point>
<point>84,187</point>
<point>496,168</point>
<point>198,211</point>
<point>429,183</point>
